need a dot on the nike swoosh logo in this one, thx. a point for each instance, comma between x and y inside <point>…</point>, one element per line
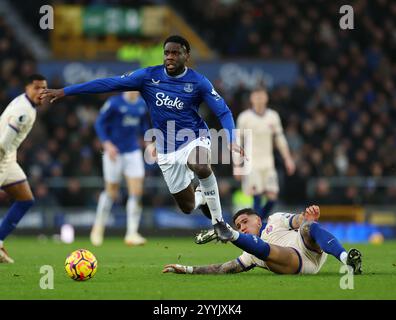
<point>155,81</point>
<point>330,241</point>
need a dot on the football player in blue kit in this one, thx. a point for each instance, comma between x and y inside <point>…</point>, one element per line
<point>121,122</point>
<point>173,93</point>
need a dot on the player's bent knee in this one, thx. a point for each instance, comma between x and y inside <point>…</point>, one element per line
<point>25,197</point>
<point>112,196</point>
<point>187,208</point>
<point>111,193</point>
<point>202,170</point>
<point>305,229</point>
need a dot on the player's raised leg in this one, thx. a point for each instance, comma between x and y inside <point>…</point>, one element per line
<point>189,200</point>
<point>200,202</point>
<point>186,199</point>
<point>199,162</point>
<point>317,238</point>
<point>23,198</point>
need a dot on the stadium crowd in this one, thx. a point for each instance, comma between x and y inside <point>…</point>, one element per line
<point>337,117</point>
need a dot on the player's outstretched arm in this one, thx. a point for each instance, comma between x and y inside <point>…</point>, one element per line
<point>126,82</point>
<point>227,267</point>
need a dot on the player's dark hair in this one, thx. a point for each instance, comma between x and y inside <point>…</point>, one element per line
<point>180,40</point>
<point>259,88</point>
<point>34,77</point>
<point>248,211</point>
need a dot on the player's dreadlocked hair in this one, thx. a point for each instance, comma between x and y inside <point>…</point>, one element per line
<point>248,211</point>
<point>180,40</point>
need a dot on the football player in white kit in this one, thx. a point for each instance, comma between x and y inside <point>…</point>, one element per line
<point>15,124</point>
<point>287,244</point>
<point>266,130</point>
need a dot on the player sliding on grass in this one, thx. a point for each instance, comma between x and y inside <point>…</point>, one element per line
<point>173,93</point>
<point>15,124</point>
<point>287,244</point>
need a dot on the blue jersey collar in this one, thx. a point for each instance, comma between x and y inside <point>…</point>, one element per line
<point>179,75</point>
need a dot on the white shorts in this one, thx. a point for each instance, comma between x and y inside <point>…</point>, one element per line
<point>173,165</point>
<point>259,181</point>
<point>311,261</point>
<point>10,174</point>
<point>129,164</point>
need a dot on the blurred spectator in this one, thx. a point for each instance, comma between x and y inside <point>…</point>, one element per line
<point>351,196</point>
<point>43,198</point>
<point>74,195</point>
<point>323,194</point>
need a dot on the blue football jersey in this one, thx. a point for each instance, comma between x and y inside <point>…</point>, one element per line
<point>173,102</point>
<point>122,122</point>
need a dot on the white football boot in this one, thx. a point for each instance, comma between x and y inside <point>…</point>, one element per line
<point>134,239</point>
<point>96,236</point>
<point>4,257</point>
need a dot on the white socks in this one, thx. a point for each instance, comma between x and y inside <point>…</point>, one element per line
<point>103,210</point>
<point>199,199</point>
<point>133,209</point>
<point>210,191</point>
<point>134,212</point>
<point>235,234</point>
<point>343,257</point>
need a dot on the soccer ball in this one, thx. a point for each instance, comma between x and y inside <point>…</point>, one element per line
<point>81,265</point>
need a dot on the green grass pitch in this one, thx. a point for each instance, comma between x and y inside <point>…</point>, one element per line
<point>135,273</point>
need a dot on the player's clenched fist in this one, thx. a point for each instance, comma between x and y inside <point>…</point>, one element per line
<point>312,213</point>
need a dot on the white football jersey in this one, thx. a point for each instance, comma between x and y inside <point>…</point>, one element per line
<point>279,232</point>
<point>22,112</point>
<point>264,127</point>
